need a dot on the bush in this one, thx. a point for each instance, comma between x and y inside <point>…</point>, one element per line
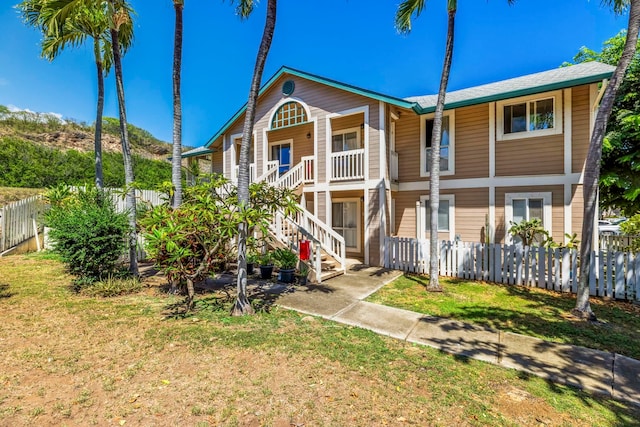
<point>631,227</point>
<point>87,232</point>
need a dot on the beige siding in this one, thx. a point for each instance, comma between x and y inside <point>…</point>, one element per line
<point>471,142</point>
<point>530,156</point>
<point>408,147</point>
<point>321,209</point>
<point>577,210</point>
<point>472,208</point>
<point>580,127</point>
<point>405,214</point>
<point>348,122</point>
<point>557,210</point>
<point>217,161</point>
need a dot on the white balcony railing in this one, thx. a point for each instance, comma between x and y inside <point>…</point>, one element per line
<point>393,171</point>
<point>347,165</point>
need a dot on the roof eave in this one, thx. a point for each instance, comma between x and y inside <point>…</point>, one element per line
<point>517,93</point>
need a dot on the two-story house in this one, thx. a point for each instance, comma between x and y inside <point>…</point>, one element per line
<point>511,150</point>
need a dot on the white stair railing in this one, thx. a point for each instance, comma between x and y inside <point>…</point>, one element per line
<point>305,226</point>
<point>299,174</point>
<point>271,174</point>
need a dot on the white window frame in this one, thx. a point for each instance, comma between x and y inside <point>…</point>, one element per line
<point>557,116</point>
<point>358,203</point>
<point>282,142</point>
<point>358,132</point>
<point>452,144</point>
<point>451,198</point>
<point>547,210</point>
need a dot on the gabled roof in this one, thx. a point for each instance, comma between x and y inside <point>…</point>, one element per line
<point>318,79</point>
<point>559,78</point>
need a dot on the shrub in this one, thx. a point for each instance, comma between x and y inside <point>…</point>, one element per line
<point>631,227</point>
<point>87,232</point>
<point>529,232</point>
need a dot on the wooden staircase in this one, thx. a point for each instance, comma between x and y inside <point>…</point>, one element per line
<point>328,250</point>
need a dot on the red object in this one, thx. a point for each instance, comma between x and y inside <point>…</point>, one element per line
<point>305,250</point>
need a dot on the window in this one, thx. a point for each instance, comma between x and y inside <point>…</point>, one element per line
<point>530,116</point>
<point>446,145</point>
<point>282,153</point>
<point>446,211</point>
<point>527,206</point>
<point>345,140</point>
<point>289,114</point>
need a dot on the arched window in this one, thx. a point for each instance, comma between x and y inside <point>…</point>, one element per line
<point>289,114</point>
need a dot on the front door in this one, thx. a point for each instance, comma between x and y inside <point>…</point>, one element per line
<point>345,218</point>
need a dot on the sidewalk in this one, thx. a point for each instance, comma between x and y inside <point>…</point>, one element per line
<point>341,299</point>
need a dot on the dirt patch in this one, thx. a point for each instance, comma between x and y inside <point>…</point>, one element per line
<point>114,362</point>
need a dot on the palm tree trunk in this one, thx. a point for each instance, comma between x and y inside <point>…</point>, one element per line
<point>100,107</point>
<point>130,200</point>
<point>242,305</point>
<point>176,161</point>
<point>592,163</point>
<point>436,136</point>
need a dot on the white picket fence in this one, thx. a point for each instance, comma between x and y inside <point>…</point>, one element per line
<point>613,274</point>
<point>19,221</point>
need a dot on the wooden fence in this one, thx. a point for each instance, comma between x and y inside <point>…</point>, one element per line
<point>613,242</point>
<point>613,274</point>
<point>19,221</point>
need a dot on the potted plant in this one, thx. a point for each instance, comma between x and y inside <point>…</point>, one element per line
<point>266,265</point>
<point>303,273</point>
<point>252,258</point>
<point>286,260</point>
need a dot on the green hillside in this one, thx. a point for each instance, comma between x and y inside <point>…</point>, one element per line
<point>39,150</point>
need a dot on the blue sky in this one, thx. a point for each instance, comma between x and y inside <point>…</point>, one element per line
<point>353,41</point>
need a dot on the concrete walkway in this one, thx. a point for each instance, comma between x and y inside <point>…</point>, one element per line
<point>341,299</point>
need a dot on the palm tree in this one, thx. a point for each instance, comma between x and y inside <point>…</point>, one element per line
<point>404,13</point>
<point>120,17</point>
<point>242,305</point>
<point>87,21</point>
<point>176,161</point>
<point>594,155</point>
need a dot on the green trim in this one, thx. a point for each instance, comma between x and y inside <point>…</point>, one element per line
<point>199,153</point>
<point>517,93</point>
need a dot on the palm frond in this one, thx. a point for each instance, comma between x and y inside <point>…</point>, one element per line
<point>405,11</point>
<point>244,7</point>
<point>618,6</point>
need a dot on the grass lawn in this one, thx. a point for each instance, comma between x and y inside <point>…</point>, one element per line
<point>519,309</point>
<point>70,359</point>
<point>11,194</point>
